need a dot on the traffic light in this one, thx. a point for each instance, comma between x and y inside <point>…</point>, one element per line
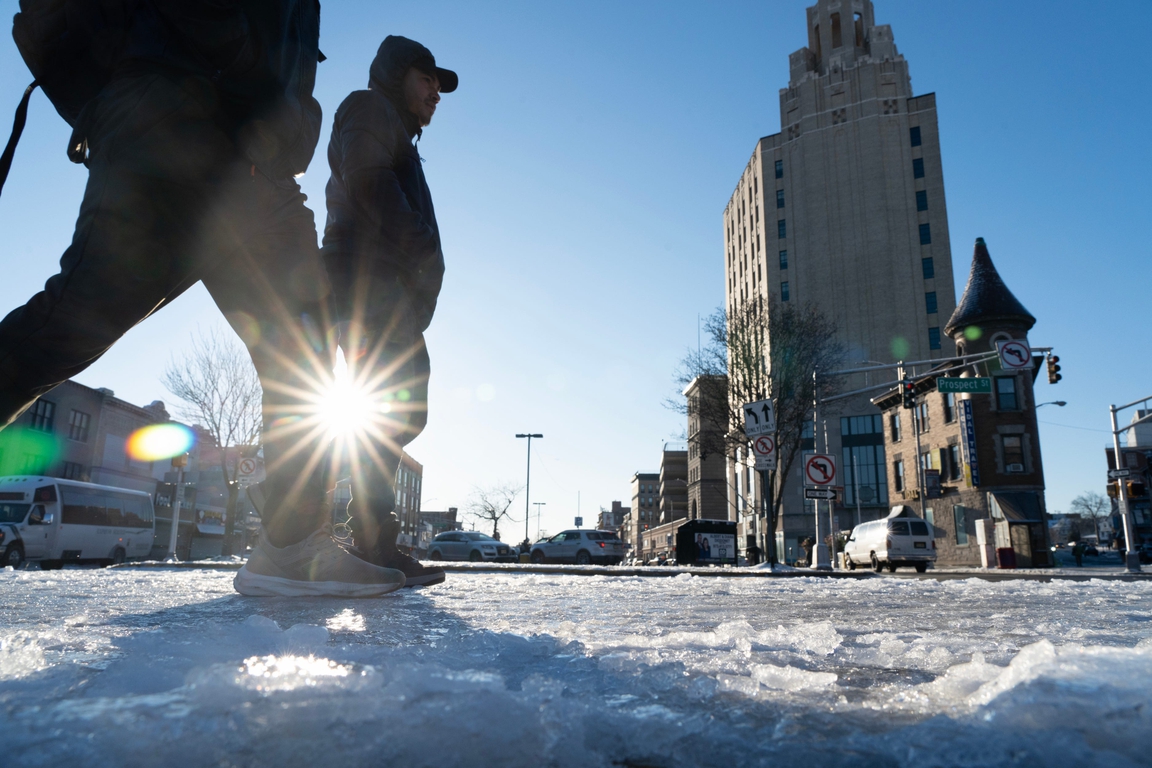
<point>1136,489</point>
<point>908,393</point>
<point>1054,369</point>
<point>1113,490</point>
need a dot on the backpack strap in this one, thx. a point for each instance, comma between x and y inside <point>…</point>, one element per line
<point>14,139</point>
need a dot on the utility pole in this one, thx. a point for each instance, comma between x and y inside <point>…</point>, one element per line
<point>538,504</point>
<point>179,462</point>
<point>1131,555</point>
<point>528,481</point>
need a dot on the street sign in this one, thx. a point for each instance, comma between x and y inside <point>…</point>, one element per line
<point>978,384</point>
<point>1014,355</point>
<point>1119,474</point>
<point>820,469</point>
<point>764,447</point>
<point>827,494</point>
<point>759,418</point>
<point>247,474</point>
<point>579,522</point>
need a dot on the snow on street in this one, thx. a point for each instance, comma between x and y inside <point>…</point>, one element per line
<point>144,667</point>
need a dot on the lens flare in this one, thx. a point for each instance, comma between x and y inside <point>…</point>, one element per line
<point>347,406</point>
<point>160,441</point>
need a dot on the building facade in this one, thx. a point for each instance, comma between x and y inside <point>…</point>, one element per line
<point>409,485</point>
<point>645,512</point>
<point>844,208</point>
<point>674,482</point>
<point>707,465</point>
<point>959,459</point>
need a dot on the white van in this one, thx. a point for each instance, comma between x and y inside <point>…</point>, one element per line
<point>55,521</point>
<point>901,539</point>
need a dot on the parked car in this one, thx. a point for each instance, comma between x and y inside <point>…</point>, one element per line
<point>470,545</point>
<point>581,547</point>
<point>1091,550</point>
<point>893,542</point>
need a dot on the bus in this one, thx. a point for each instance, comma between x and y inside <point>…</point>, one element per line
<point>53,521</point>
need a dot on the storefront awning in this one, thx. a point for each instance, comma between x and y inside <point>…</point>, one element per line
<point>1016,506</point>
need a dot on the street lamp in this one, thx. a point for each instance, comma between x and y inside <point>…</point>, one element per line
<point>538,504</point>
<point>1060,403</point>
<point>528,481</point>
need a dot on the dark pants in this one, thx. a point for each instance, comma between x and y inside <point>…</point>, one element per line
<point>388,356</point>
<point>170,202</point>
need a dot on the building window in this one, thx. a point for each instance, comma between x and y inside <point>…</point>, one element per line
<point>914,135</point>
<point>783,259</point>
<point>918,168</point>
<point>837,38</point>
<point>930,302</point>
<point>949,407</point>
<point>43,415</point>
<point>73,471</point>
<point>928,267</point>
<point>925,460</point>
<point>959,514</point>
<point>1013,453</point>
<point>898,475</point>
<point>925,234</point>
<point>784,291</point>
<point>32,464</point>
<point>934,338</point>
<point>78,426</point>
<point>779,169</point>
<point>920,413</point>
<point>930,518</point>
<point>781,229</point>
<point>1006,393</point>
<point>921,200</point>
<point>951,456</point>
<point>894,427</point>
<point>779,198</point>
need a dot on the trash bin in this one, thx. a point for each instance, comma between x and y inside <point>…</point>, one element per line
<point>1005,557</point>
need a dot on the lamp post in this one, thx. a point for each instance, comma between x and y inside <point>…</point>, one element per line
<point>528,481</point>
<point>179,462</point>
<point>1060,403</point>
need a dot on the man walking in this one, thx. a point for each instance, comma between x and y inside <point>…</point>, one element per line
<point>192,146</point>
<point>382,250</point>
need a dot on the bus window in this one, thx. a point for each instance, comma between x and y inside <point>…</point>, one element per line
<point>13,513</point>
<point>135,512</point>
<point>83,507</point>
<point>37,516</point>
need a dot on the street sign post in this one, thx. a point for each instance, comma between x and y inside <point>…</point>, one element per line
<point>764,448</point>
<point>1119,474</point>
<point>827,494</point>
<point>820,469</point>
<point>759,418</point>
<point>247,474</point>
<point>979,385</point>
<point>579,522</point>
<point>1014,355</point>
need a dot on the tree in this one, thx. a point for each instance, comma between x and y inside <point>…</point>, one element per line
<point>761,351</point>
<point>220,391</point>
<point>490,504</point>
<point>1092,505</point>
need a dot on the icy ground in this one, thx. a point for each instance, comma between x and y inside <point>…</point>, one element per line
<point>150,667</point>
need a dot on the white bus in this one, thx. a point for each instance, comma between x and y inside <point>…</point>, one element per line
<point>55,521</point>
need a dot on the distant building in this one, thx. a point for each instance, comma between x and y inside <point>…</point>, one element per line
<point>1137,459</point>
<point>645,513</point>
<point>1139,434</point>
<point>674,482</point>
<point>707,464</point>
<point>409,484</point>
<point>612,519</point>
<point>977,456</point>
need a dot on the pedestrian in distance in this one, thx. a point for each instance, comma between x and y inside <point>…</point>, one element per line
<point>193,118</point>
<point>382,249</point>
<point>1078,553</point>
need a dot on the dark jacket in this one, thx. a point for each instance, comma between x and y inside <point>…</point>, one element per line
<point>381,225</point>
<point>261,55</point>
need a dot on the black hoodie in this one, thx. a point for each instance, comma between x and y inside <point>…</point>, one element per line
<point>381,242</point>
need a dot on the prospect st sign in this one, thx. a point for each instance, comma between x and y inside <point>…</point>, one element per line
<point>977,385</point>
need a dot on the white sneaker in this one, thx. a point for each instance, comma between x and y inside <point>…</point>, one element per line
<point>317,566</point>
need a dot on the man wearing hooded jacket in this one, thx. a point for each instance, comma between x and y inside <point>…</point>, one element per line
<point>382,251</point>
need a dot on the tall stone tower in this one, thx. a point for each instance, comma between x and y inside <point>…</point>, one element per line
<point>844,208</point>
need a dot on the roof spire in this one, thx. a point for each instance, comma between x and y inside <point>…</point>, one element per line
<point>986,299</point>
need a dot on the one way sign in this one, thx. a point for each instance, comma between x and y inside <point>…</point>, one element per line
<point>759,418</point>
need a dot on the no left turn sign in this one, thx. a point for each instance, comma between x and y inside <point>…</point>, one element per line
<point>1014,355</point>
<point>764,448</point>
<point>820,469</point>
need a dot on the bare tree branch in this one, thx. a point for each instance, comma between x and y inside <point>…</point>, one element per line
<point>490,504</point>
<point>220,391</point>
<point>1093,506</point>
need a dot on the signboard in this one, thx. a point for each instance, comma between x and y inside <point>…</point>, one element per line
<point>979,385</point>
<point>715,547</point>
<point>759,418</point>
<point>1014,355</point>
<point>1118,474</point>
<point>819,493</point>
<point>579,522</point>
<point>820,469</point>
<point>247,474</point>
<point>968,431</point>
<point>764,448</point>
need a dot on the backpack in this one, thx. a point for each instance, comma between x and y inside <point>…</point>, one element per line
<point>71,47</point>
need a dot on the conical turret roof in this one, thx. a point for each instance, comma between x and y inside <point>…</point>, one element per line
<point>986,300</point>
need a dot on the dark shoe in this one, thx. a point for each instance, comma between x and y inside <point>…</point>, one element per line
<point>316,566</point>
<point>415,573</point>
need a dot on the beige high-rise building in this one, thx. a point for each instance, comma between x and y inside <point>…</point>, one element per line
<point>844,208</point>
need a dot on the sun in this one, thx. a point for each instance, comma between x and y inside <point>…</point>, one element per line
<point>347,405</point>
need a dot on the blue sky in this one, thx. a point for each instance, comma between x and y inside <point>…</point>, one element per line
<point>580,173</point>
